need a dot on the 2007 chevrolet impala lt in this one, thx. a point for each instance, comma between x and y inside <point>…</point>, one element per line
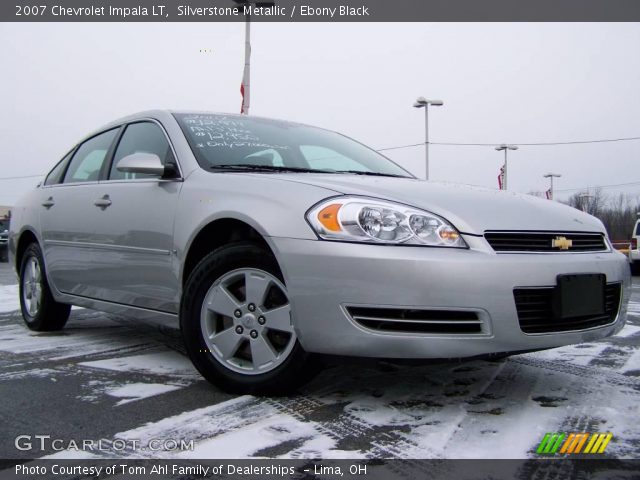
<point>270,241</point>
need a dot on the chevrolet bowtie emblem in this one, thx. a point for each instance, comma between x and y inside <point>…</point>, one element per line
<point>563,243</point>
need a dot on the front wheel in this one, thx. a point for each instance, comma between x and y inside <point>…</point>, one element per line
<point>237,325</point>
<point>39,310</point>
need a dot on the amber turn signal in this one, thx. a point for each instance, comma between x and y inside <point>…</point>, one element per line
<point>328,217</point>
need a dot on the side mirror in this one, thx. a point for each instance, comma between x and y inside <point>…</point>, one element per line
<point>147,163</point>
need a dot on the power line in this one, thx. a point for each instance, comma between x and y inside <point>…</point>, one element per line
<point>23,176</point>
<point>598,186</point>
<point>535,144</point>
<point>401,146</point>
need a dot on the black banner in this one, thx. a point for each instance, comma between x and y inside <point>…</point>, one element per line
<point>321,469</point>
<point>321,11</point>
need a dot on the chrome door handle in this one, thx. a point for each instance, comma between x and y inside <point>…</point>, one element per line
<point>103,202</point>
<point>48,203</point>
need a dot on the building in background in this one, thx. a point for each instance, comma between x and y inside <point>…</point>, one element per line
<point>5,214</point>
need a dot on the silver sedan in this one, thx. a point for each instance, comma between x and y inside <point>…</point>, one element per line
<point>270,242</point>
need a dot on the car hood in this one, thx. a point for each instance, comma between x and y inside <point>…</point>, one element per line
<point>471,209</point>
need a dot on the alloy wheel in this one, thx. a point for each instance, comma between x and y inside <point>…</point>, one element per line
<point>246,321</point>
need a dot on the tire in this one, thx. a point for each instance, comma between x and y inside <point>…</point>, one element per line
<point>635,268</point>
<point>243,343</point>
<point>39,310</point>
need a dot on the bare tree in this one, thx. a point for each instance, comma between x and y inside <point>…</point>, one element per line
<point>617,213</point>
<point>590,201</point>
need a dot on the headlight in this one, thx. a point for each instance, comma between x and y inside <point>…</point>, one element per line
<point>357,219</point>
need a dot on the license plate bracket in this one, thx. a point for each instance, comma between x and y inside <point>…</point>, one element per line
<point>579,295</point>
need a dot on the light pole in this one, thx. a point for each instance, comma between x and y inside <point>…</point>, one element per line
<point>506,148</point>
<point>584,200</point>
<point>551,176</point>
<point>245,86</point>
<point>420,103</point>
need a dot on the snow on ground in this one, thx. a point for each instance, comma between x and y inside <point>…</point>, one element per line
<point>473,409</point>
<point>9,300</point>
<point>163,363</point>
<point>132,392</point>
<point>72,342</point>
<point>634,307</point>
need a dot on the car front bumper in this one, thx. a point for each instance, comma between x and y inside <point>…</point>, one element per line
<point>323,278</point>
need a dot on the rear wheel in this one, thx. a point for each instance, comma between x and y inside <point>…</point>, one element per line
<point>39,310</point>
<point>237,325</point>
<point>635,268</point>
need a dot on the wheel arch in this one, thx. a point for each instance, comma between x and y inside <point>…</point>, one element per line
<point>27,237</point>
<point>217,233</point>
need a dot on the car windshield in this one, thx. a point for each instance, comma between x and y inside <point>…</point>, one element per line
<point>231,142</point>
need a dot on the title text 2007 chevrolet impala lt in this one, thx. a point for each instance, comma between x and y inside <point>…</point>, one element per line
<point>271,241</point>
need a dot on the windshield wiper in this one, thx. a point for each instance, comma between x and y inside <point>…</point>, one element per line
<point>375,174</point>
<point>240,167</point>
<point>265,168</point>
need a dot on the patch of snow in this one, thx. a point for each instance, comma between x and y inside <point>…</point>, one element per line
<point>167,362</point>
<point>580,354</point>
<point>628,330</point>
<point>9,299</point>
<point>264,433</point>
<point>632,363</point>
<point>634,308</point>
<point>68,343</point>
<point>34,372</point>
<point>132,392</point>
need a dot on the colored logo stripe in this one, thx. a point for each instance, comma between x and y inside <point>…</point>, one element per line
<point>573,443</point>
<point>598,443</point>
<point>550,443</point>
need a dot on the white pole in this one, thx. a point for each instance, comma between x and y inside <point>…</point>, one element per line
<point>426,141</point>
<point>505,168</point>
<point>246,78</point>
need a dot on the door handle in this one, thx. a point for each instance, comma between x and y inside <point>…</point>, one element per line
<point>103,202</point>
<point>48,203</point>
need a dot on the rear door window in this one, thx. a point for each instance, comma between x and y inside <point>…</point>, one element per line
<point>56,173</point>
<point>87,162</point>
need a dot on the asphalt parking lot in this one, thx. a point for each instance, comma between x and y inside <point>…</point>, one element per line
<point>106,378</point>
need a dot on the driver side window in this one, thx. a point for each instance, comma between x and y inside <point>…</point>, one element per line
<point>141,137</point>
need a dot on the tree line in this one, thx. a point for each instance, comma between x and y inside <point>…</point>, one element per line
<point>618,213</point>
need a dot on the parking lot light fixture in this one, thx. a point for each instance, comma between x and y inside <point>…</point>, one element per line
<point>551,176</point>
<point>506,148</point>
<point>422,102</point>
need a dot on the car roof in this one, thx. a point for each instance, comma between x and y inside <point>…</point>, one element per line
<point>161,114</point>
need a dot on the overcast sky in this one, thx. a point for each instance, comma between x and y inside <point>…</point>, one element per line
<point>500,83</point>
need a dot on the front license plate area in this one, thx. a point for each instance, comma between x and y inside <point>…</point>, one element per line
<point>579,295</point>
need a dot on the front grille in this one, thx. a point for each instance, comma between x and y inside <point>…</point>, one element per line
<point>543,241</point>
<point>417,321</point>
<point>535,311</point>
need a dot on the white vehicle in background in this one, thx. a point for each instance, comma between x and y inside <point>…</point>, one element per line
<point>634,253</point>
